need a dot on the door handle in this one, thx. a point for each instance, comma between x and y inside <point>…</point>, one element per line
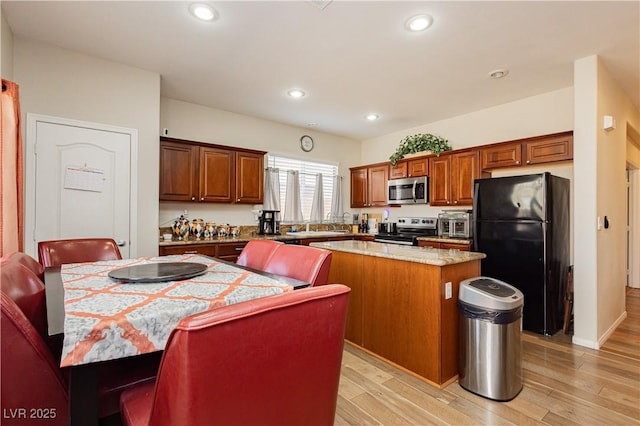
<point>415,182</point>
<point>121,243</point>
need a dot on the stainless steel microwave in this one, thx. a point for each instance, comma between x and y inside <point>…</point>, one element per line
<point>408,191</point>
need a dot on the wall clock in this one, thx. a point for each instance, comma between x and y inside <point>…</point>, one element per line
<point>306,143</point>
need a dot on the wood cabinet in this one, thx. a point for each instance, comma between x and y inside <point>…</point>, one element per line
<point>192,171</point>
<point>462,246</point>
<point>530,151</point>
<point>225,251</point>
<point>369,186</point>
<point>409,168</point>
<point>399,311</point>
<point>451,178</point>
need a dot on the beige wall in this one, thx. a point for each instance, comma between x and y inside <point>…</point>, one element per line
<point>600,161</point>
<point>6,58</point>
<point>537,115</point>
<point>63,83</point>
<point>198,123</point>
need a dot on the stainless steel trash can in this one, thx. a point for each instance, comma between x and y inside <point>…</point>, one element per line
<point>490,331</point>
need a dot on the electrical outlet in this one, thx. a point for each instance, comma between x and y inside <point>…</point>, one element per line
<point>448,292</point>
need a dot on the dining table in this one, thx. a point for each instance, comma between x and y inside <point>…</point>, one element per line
<point>115,309</point>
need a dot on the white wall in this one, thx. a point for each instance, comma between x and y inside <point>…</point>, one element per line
<point>203,124</point>
<point>63,83</point>
<point>550,112</point>
<point>6,58</point>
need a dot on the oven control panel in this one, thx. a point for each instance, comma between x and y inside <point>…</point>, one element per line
<point>418,222</point>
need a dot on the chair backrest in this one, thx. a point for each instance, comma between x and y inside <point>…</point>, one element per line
<point>30,377</point>
<point>274,360</point>
<point>28,261</point>
<point>309,264</point>
<point>257,253</point>
<point>58,252</point>
<point>27,291</point>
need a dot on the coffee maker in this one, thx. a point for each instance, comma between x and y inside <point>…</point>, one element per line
<point>269,222</point>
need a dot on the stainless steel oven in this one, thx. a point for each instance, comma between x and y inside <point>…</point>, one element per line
<point>408,191</point>
<point>408,229</point>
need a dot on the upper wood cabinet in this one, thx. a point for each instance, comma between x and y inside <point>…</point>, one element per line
<point>451,178</point>
<point>191,171</point>
<point>538,150</point>
<point>369,186</point>
<point>409,168</point>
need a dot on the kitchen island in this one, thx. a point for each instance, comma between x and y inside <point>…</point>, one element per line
<point>403,302</point>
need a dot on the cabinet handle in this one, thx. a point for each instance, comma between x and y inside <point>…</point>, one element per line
<point>201,198</point>
<point>191,252</point>
<point>517,162</point>
<point>448,202</point>
<point>455,202</point>
<point>528,161</point>
<point>193,198</point>
<point>239,248</point>
<point>238,200</point>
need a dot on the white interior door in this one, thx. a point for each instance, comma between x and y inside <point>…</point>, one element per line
<point>82,182</point>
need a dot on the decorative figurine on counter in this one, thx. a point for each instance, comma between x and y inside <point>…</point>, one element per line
<point>181,228</point>
<point>209,230</point>
<point>223,230</point>
<point>197,228</point>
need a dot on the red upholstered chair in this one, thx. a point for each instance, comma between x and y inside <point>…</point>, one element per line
<point>303,263</point>
<point>27,291</point>
<point>27,261</point>
<point>257,253</point>
<point>269,361</point>
<point>30,376</point>
<point>57,252</point>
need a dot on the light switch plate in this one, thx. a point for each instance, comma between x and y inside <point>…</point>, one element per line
<point>447,290</point>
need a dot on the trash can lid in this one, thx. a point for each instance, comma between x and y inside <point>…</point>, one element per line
<point>490,293</point>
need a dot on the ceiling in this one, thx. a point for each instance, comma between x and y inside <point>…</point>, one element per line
<point>351,58</point>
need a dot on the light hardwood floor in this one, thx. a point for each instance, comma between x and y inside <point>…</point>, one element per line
<point>564,384</point>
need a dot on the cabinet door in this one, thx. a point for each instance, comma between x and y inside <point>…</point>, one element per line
<point>249,177</point>
<point>359,187</point>
<point>398,171</point>
<point>205,249</point>
<point>217,175</point>
<point>229,251</point>
<point>461,246</point>
<point>558,148</point>
<point>507,155</point>
<point>378,177</point>
<point>440,180</point>
<point>418,167</point>
<point>465,167</point>
<point>178,172</point>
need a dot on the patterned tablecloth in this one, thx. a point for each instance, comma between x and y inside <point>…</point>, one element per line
<point>106,319</point>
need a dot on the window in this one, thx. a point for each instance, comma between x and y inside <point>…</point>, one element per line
<point>308,171</point>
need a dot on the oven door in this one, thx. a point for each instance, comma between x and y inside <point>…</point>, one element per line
<point>395,239</point>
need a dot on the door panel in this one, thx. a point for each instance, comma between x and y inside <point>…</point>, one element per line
<point>83,183</point>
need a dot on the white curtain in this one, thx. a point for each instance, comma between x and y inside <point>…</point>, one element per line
<point>336,200</point>
<point>317,207</point>
<point>271,189</point>
<point>292,203</point>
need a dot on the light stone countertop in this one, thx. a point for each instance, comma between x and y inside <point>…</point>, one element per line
<point>446,240</point>
<point>426,255</point>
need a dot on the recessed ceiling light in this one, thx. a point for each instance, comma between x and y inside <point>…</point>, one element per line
<point>419,22</point>
<point>372,117</point>
<point>499,73</point>
<point>203,11</point>
<point>296,93</point>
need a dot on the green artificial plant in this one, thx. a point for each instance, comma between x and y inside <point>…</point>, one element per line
<point>418,143</point>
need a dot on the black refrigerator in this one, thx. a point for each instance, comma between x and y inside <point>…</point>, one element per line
<point>522,225</point>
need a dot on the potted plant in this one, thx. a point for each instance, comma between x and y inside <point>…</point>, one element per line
<point>419,143</point>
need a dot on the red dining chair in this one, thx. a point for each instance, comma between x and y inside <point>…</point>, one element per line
<point>257,253</point>
<point>270,361</point>
<point>27,291</point>
<point>28,261</point>
<point>30,377</point>
<point>309,264</point>
<point>57,252</point>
